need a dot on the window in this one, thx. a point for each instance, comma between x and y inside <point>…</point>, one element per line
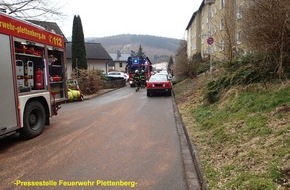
<point>239,37</point>
<point>210,31</point>
<point>194,47</point>
<point>239,12</point>
<point>214,29</point>
<point>211,12</point>
<point>222,24</point>
<point>222,4</point>
<point>222,45</point>
<point>120,65</point>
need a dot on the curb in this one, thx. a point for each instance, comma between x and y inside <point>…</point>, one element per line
<point>99,93</point>
<point>193,171</point>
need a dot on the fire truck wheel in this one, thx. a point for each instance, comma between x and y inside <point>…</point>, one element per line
<point>33,120</point>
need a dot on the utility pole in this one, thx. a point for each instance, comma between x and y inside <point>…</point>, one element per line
<point>77,70</point>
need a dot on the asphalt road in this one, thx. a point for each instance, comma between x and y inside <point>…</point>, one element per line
<point>119,140</point>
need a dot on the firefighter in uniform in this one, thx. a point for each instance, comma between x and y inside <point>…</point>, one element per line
<point>137,80</point>
<point>142,79</point>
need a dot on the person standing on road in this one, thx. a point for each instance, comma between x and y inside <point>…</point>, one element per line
<point>142,79</point>
<point>137,80</point>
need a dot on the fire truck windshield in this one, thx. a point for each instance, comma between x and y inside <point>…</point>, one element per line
<point>133,68</point>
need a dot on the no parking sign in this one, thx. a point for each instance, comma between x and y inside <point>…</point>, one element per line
<point>210,41</point>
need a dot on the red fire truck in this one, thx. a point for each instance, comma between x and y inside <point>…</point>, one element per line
<point>32,76</point>
<point>138,63</point>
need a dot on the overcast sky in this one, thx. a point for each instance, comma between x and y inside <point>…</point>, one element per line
<point>165,18</point>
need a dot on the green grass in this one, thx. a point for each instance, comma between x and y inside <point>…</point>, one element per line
<point>235,122</point>
<point>248,181</point>
<point>249,106</point>
<point>262,101</point>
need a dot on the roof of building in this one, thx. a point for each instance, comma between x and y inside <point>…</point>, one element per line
<point>120,57</point>
<point>191,20</point>
<point>194,14</point>
<point>50,26</point>
<point>93,51</point>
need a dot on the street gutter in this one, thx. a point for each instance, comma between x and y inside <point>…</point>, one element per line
<point>193,171</point>
<point>100,92</point>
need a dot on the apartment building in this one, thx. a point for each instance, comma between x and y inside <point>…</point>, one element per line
<point>220,21</point>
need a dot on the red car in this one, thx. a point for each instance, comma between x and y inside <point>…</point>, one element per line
<point>159,84</point>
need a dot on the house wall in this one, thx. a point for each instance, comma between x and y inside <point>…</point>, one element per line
<point>98,65</point>
<point>92,64</point>
<point>221,21</point>
<point>194,36</point>
<point>120,66</point>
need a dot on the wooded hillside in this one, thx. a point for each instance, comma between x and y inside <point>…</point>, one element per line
<point>158,49</point>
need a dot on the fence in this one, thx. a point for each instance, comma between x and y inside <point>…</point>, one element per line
<point>111,82</point>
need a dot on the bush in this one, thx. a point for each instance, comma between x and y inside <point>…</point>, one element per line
<point>89,81</point>
<point>252,68</point>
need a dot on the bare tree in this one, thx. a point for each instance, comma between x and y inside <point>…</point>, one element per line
<point>230,25</point>
<point>32,9</point>
<point>267,30</point>
<point>181,58</point>
<point>183,65</point>
<point>226,31</point>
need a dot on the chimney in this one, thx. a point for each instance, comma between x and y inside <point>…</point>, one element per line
<point>118,54</point>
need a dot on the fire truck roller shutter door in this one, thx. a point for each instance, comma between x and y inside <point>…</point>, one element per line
<point>7,96</point>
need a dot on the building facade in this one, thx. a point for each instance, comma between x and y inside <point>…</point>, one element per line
<point>215,30</point>
<point>119,61</point>
<point>97,58</point>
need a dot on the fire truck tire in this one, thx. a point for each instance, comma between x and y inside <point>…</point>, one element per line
<point>33,120</point>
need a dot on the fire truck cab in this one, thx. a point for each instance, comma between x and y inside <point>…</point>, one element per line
<point>32,76</point>
<point>138,63</point>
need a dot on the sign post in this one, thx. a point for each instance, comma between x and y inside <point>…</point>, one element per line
<point>210,38</point>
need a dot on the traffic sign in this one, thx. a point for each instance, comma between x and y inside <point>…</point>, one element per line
<point>210,41</point>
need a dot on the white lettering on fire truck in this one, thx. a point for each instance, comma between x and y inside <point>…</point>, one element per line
<point>22,30</point>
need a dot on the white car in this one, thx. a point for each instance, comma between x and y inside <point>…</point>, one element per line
<point>118,74</point>
<point>169,76</point>
<point>126,76</point>
<point>163,72</point>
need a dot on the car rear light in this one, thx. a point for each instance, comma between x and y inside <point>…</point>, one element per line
<point>149,85</point>
<point>168,84</point>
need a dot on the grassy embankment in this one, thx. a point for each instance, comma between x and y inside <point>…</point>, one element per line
<point>243,140</point>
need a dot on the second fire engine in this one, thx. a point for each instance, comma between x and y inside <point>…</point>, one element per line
<point>32,76</point>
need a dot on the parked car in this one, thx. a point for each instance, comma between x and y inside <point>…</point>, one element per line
<point>118,74</point>
<point>126,76</point>
<point>163,72</point>
<point>159,84</point>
